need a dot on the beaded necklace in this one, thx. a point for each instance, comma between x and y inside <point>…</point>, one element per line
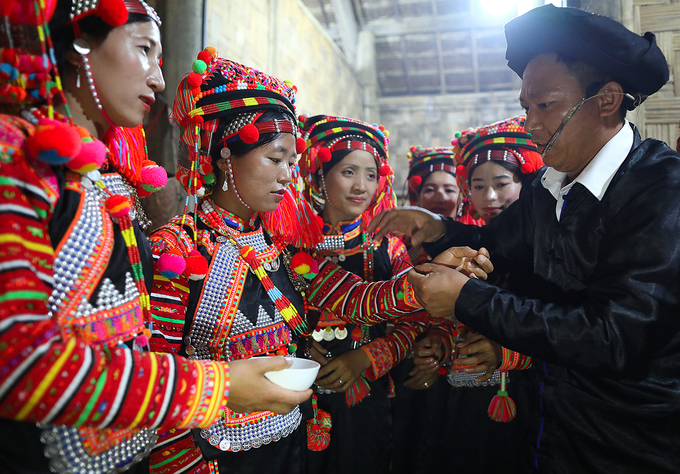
<point>249,255</point>
<point>119,208</point>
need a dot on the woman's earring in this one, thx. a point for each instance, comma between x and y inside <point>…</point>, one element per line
<point>225,183</point>
<point>82,47</point>
<point>77,77</point>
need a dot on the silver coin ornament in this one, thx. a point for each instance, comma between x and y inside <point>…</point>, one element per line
<point>341,334</point>
<point>328,334</point>
<point>317,335</point>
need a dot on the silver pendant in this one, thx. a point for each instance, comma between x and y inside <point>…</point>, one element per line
<point>334,259</point>
<point>221,239</point>
<point>224,445</point>
<point>342,257</point>
<point>341,333</point>
<point>317,335</point>
<point>328,334</point>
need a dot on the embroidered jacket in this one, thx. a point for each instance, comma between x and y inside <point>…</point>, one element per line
<point>68,317</point>
<point>229,315</point>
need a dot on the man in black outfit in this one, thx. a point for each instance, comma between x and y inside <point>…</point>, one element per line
<point>601,228</point>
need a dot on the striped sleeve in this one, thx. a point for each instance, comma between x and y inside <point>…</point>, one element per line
<point>387,351</point>
<point>47,378</point>
<point>353,300</point>
<point>399,256</point>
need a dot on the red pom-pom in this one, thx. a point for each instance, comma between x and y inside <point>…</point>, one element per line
<point>325,155</point>
<point>249,134</point>
<point>118,206</point>
<point>54,142</point>
<point>91,157</point>
<point>460,171</point>
<point>197,119</point>
<point>171,265</point>
<point>415,182</point>
<point>247,252</point>
<point>442,370</point>
<point>527,168</point>
<point>205,56</point>
<point>385,170</point>
<point>113,12</point>
<point>194,80</point>
<point>304,264</point>
<point>300,145</point>
<point>196,266</point>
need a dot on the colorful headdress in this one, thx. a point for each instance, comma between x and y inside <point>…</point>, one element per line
<point>325,134</point>
<point>423,161</point>
<point>219,90</point>
<point>501,141</point>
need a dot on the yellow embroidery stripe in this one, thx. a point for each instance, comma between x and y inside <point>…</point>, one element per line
<point>176,285</point>
<point>16,239</point>
<point>218,389</point>
<point>197,398</point>
<point>47,381</point>
<point>149,391</point>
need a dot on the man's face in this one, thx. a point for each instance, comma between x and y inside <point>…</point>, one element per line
<point>549,91</point>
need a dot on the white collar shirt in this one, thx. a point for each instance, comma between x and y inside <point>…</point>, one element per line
<point>597,174</point>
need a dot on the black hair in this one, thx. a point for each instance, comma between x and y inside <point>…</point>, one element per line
<point>512,167</point>
<point>63,34</point>
<point>591,79</point>
<point>238,147</point>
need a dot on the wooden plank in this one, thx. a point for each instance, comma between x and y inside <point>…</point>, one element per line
<point>676,42</point>
<point>660,17</point>
<point>660,110</point>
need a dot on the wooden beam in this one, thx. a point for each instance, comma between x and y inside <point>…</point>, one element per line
<point>407,77</point>
<point>440,53</point>
<point>359,10</point>
<point>442,23</point>
<point>475,60</point>
<point>347,28</point>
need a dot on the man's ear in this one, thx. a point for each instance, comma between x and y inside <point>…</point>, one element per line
<point>610,98</point>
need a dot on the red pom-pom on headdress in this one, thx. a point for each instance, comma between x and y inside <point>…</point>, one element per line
<point>385,170</point>
<point>249,134</point>
<point>113,12</point>
<point>205,56</point>
<point>300,145</point>
<point>324,155</point>
<point>415,182</point>
<point>194,80</point>
<point>527,168</point>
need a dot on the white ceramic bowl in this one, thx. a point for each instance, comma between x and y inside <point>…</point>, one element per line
<point>299,376</point>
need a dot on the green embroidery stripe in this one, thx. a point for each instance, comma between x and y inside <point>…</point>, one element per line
<point>319,286</point>
<point>168,320</point>
<point>181,453</point>
<point>23,295</point>
<point>95,396</point>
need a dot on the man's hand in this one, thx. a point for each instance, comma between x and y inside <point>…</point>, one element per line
<point>437,288</point>
<point>472,263</point>
<point>251,391</point>
<point>419,226</point>
<point>484,356</point>
<point>342,371</point>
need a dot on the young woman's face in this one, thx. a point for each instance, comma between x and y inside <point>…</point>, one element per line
<point>493,189</point>
<point>439,194</point>
<point>350,186</point>
<point>126,71</point>
<point>261,177</point>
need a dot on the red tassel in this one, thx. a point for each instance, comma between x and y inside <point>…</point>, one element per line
<point>318,428</point>
<point>357,392</point>
<point>502,408</point>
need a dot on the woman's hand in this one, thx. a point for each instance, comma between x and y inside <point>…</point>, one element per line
<point>484,356</point>
<point>421,380</point>
<point>251,391</point>
<point>472,263</point>
<point>340,372</point>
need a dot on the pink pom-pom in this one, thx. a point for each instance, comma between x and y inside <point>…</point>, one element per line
<point>142,340</point>
<point>196,266</point>
<point>171,265</point>
<point>154,178</point>
<point>91,157</point>
<point>325,155</point>
<point>249,134</point>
